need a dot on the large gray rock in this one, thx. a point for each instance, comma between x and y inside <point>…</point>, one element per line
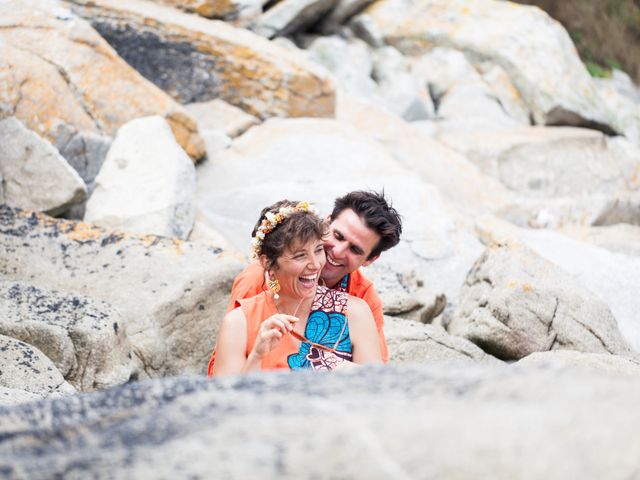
<point>410,341</point>
<point>33,174</point>
<point>622,96</point>
<point>401,92</point>
<point>25,368</point>
<point>348,60</point>
<point>611,277</point>
<point>146,184</point>
<point>535,51</point>
<point>85,152</point>
<point>515,302</point>
<point>289,16</point>
<point>479,421</point>
<point>83,337</point>
<point>171,293</point>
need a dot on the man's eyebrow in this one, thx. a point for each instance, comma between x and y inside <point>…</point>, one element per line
<point>356,249</point>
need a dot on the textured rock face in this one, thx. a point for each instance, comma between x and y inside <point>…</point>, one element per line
<point>533,49</point>
<point>58,70</point>
<point>83,337</point>
<point>479,422</point>
<point>195,59</point>
<point>410,341</point>
<point>27,369</point>
<point>171,293</point>
<point>33,175</point>
<point>610,276</point>
<point>147,183</point>
<point>515,303</point>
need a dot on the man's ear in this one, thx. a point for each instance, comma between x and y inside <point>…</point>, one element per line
<point>370,261</point>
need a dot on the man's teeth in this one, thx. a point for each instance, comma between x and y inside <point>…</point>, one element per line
<point>333,262</point>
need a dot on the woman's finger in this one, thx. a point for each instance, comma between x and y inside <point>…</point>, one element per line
<point>273,334</point>
<point>283,324</point>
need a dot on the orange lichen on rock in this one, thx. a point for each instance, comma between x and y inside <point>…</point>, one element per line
<point>63,71</point>
<point>247,70</point>
<point>81,232</point>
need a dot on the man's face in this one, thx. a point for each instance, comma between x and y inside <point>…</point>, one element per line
<point>347,246</point>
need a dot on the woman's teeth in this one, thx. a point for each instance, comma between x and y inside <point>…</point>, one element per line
<point>309,278</point>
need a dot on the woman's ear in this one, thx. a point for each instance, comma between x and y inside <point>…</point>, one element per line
<point>264,262</point>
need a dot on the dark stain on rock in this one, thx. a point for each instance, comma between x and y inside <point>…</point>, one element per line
<point>111,239</point>
<point>115,327</point>
<point>178,68</point>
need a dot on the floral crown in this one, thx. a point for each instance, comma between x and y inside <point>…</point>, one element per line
<point>272,220</point>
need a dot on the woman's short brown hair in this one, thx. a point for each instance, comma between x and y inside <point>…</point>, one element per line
<point>299,227</point>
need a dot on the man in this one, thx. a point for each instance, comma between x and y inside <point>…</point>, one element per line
<point>362,226</point>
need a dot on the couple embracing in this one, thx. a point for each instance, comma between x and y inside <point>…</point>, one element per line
<point>303,302</point>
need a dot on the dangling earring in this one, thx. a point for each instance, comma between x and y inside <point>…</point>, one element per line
<point>272,285</point>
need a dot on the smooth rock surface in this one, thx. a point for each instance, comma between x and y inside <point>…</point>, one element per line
<point>172,293</point>
<point>195,60</point>
<point>88,86</point>
<point>146,184</point>
<point>83,337</point>
<point>510,422</point>
<point>33,175</point>
<point>606,363</point>
<point>514,302</point>
<point>220,115</point>
<point>620,238</point>
<point>13,396</point>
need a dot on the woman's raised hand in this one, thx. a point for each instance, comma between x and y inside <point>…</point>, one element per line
<point>271,332</point>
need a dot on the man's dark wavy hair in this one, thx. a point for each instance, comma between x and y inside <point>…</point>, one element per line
<point>378,215</point>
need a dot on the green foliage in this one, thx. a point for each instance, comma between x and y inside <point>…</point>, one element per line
<point>596,70</point>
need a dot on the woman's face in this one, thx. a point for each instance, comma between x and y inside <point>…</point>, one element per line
<point>299,267</point>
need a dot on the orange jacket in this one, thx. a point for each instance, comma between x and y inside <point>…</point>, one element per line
<point>250,282</point>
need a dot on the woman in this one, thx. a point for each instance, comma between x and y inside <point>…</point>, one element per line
<point>295,323</point>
